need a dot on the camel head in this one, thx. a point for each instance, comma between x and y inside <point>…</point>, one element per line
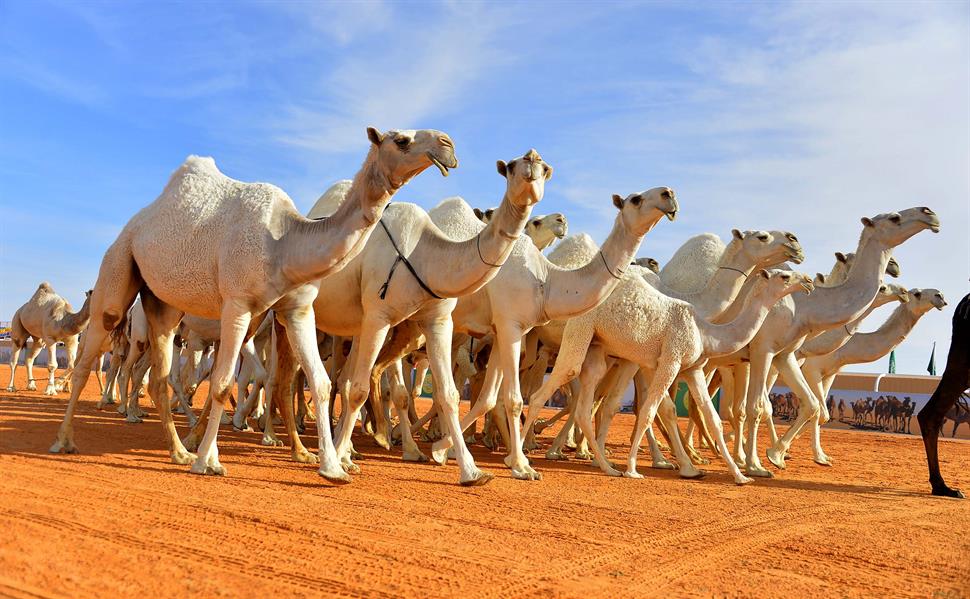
<point>769,248</point>
<point>780,283</point>
<point>891,292</point>
<point>526,178</point>
<point>648,263</point>
<point>640,212</point>
<point>554,225</point>
<point>403,154</point>
<point>892,268</point>
<point>924,300</point>
<point>894,228</point>
<point>484,215</point>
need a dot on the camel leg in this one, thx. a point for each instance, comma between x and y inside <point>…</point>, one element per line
<point>114,292</point>
<point>438,332</point>
<point>400,398</point>
<point>279,392</point>
<point>51,389</point>
<point>955,379</point>
<point>133,412</point>
<point>712,422</point>
<point>593,369</point>
<point>611,405</point>
<point>485,402</point>
<point>508,341</point>
<point>260,376</point>
<point>70,346</point>
<point>667,412</point>
<point>36,345</point>
<point>651,396</point>
<point>668,421</point>
<point>760,363</point>
<point>740,389</point>
<point>114,366</point>
<point>808,410</point>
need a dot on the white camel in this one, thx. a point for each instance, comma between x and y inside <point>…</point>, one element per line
<point>400,275</point>
<point>47,319</point>
<point>667,338</point>
<point>223,249</point>
<point>530,290</point>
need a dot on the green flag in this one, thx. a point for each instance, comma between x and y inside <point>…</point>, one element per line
<point>892,362</point>
<point>931,367</point>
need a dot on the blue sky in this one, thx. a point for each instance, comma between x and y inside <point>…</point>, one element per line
<point>801,116</point>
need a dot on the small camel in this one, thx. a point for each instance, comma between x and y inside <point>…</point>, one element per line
<point>223,249</point>
<point>47,319</point>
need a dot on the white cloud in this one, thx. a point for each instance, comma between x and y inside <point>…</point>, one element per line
<point>828,113</point>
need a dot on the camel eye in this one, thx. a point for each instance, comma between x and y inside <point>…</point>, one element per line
<point>763,237</point>
<point>535,223</point>
<point>635,200</point>
<point>895,218</point>
<point>786,278</point>
<point>402,142</point>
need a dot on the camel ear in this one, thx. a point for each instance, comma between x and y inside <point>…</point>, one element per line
<point>737,234</point>
<point>618,201</point>
<point>489,213</point>
<point>917,294</point>
<point>841,257</point>
<point>374,136</point>
<point>478,213</point>
<point>548,171</point>
<point>819,277</point>
<point>867,221</point>
<point>503,169</point>
<point>764,273</point>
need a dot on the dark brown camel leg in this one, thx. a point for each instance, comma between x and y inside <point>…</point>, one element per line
<point>955,379</point>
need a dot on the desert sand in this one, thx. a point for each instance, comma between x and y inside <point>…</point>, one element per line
<point>119,520</point>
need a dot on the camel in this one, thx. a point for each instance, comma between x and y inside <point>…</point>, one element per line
<point>746,251</point>
<point>650,264</point>
<point>530,290</point>
<point>833,339</point>
<point>543,230</point>
<point>796,318</point>
<point>843,263</point>
<point>48,320</point>
<point>820,371</point>
<point>959,413</point>
<point>370,296</point>
<point>666,337</point>
<point>223,249</point>
<point>954,382</point>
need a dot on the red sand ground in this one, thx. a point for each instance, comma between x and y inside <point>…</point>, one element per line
<point>120,520</point>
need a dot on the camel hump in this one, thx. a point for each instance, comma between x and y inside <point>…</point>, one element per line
<point>200,164</point>
<point>574,251</point>
<point>45,287</point>
<point>456,219</point>
<point>693,264</point>
<point>331,200</point>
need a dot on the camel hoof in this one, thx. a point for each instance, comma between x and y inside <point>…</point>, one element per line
<point>478,479</point>
<point>350,467</point>
<point>663,465</point>
<point>336,476</point>
<point>383,441</point>
<point>439,455</point>
<point>527,473</point>
<point>11,388</point>
<point>122,409</point>
<point>183,457</point>
<point>305,457</point>
<point>824,461</point>
<point>584,455</point>
<point>207,470</point>
<point>613,472</point>
<point>63,446</point>
<point>245,428</point>
<point>50,391</point>
<point>777,458</point>
<point>556,455</point>
<point>133,419</point>
<point>692,474</point>
<point>758,472</point>
<point>415,457</point>
<point>632,474</point>
<point>945,491</point>
<point>31,386</point>
<point>271,441</point>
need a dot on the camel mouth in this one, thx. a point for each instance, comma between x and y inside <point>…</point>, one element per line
<point>807,285</point>
<point>441,166</point>
<point>935,228</point>
<point>794,255</point>
<point>671,215</point>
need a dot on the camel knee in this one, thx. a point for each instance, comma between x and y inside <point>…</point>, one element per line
<point>110,319</point>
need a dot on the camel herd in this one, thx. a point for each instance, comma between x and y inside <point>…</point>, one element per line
<point>223,280</point>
